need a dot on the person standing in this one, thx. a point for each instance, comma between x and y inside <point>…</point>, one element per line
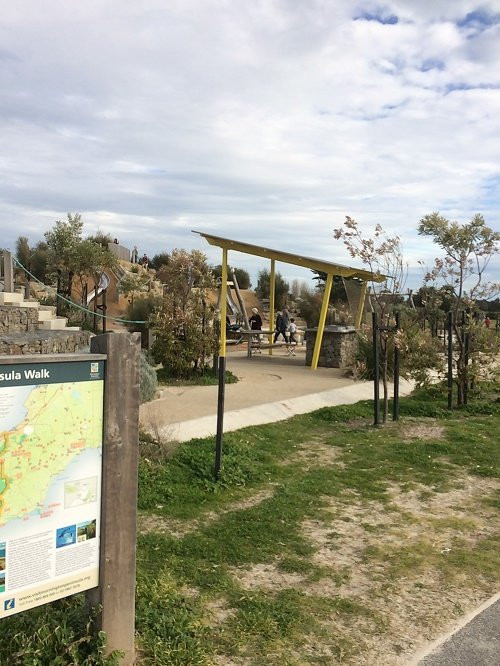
<point>292,329</point>
<point>255,320</point>
<point>282,321</point>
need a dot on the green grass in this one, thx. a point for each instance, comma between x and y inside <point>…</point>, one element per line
<point>178,578</point>
<point>272,626</point>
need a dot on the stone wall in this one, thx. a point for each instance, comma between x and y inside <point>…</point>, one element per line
<point>44,342</point>
<point>338,348</point>
<point>14,319</point>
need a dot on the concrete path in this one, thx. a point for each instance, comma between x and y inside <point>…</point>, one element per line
<point>270,388</point>
<point>475,642</point>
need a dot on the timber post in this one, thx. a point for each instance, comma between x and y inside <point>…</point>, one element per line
<point>116,591</point>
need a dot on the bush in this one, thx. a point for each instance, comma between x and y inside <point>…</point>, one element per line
<point>184,324</point>
<point>148,379</point>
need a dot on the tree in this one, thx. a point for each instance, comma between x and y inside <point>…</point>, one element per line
<point>281,288</point>
<point>242,275</point>
<point>74,260</point>
<point>34,259</point>
<point>160,260</point>
<point>101,238</point>
<point>62,242</point>
<point>90,261</point>
<point>38,263</point>
<point>383,257</point>
<point>184,324</point>
<point>133,284</point>
<point>309,304</point>
<point>23,251</point>
<point>468,250</point>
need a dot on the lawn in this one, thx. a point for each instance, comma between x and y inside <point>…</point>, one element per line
<point>325,541</point>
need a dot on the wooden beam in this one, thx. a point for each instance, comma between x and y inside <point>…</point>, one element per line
<point>321,323</point>
<point>240,300</point>
<point>120,458</point>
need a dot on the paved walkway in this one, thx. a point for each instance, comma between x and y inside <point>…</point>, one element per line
<point>270,388</point>
<point>476,642</point>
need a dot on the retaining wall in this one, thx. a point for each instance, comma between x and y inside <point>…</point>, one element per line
<point>44,342</point>
<point>14,319</point>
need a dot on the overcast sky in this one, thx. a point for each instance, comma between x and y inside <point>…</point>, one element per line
<point>266,121</point>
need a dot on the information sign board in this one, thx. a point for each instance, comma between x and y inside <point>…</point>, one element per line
<point>51,430</point>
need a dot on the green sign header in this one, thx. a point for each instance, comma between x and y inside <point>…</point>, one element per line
<point>34,373</point>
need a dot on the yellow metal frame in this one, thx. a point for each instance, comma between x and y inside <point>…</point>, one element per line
<point>223,305</point>
<point>361,305</point>
<point>322,320</point>
<point>289,258</point>
<point>298,260</point>
<point>272,301</point>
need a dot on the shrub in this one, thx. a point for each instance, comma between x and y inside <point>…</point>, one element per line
<point>148,379</point>
<point>184,323</point>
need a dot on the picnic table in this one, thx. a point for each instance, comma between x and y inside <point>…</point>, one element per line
<point>255,343</point>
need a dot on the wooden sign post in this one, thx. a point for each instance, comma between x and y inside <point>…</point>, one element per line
<point>116,591</point>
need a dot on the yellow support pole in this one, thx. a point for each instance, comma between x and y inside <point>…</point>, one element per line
<point>223,304</point>
<point>272,295</point>
<point>321,323</point>
<point>361,305</point>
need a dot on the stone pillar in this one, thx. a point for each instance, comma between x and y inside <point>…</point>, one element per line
<point>338,348</point>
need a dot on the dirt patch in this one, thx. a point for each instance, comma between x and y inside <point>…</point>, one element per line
<point>458,502</point>
<point>265,577</point>
<point>218,612</point>
<point>422,431</point>
<point>177,529</point>
<point>363,540</point>
<point>315,453</point>
<point>151,522</point>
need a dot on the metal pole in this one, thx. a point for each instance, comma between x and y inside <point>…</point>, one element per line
<point>220,416</point>
<point>450,360</point>
<point>58,291</point>
<point>272,302</point>
<point>376,371</point>
<point>465,333</point>
<point>104,307</point>
<point>222,367</point>
<point>96,287</point>
<point>395,400</point>
<point>216,353</point>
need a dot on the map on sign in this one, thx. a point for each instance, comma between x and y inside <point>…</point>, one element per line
<point>43,430</point>
<point>51,428</point>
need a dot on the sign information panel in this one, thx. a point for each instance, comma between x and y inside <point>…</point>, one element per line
<point>51,428</point>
